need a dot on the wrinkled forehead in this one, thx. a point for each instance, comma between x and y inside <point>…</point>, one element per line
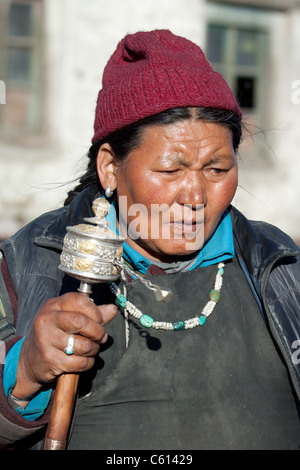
<point>178,142</point>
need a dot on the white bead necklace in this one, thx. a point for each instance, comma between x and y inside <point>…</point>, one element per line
<point>148,321</point>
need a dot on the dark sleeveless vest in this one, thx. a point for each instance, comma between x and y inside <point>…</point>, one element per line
<point>222,385</point>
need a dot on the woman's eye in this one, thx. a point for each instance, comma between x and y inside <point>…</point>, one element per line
<point>170,171</point>
<point>217,171</point>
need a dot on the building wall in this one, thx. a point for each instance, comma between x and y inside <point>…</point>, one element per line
<point>269,162</point>
<point>78,38</point>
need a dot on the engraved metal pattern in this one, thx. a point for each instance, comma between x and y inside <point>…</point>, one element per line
<point>80,243</point>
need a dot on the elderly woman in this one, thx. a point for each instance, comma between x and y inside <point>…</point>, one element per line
<point>216,366</point>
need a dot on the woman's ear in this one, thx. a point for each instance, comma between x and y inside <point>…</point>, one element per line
<point>106,167</point>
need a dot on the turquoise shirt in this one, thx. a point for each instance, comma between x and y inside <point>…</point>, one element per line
<point>39,403</point>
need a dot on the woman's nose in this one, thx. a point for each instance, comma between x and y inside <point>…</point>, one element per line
<point>192,191</point>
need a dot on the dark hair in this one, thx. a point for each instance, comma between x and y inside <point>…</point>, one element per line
<point>128,138</point>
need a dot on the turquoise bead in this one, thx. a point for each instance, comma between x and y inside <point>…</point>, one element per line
<point>221,271</point>
<point>122,301</point>
<point>202,320</point>
<point>146,321</point>
<point>215,295</point>
<point>179,325</point>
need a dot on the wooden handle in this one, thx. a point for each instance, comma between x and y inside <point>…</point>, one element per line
<point>61,413</point>
<point>63,404</point>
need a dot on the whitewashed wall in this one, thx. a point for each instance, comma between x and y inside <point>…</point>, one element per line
<point>79,38</point>
<point>274,184</point>
<point>270,164</point>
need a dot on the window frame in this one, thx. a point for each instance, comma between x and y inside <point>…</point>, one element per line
<point>231,70</point>
<point>31,87</point>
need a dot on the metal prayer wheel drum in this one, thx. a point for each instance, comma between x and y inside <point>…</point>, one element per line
<point>92,253</point>
<point>88,256</point>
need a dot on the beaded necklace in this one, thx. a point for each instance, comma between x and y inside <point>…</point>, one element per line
<point>149,322</point>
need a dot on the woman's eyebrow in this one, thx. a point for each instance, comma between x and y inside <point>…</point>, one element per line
<point>176,158</point>
<point>182,160</point>
<point>219,159</point>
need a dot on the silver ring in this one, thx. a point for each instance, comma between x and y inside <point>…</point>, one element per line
<point>70,347</point>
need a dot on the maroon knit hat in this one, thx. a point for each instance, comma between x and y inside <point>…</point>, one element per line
<point>150,72</point>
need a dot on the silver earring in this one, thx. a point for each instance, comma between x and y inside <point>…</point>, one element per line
<point>108,192</point>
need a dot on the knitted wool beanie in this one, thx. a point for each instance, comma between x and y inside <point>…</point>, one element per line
<point>150,72</point>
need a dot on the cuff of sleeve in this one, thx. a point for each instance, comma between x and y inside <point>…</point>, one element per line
<point>37,404</point>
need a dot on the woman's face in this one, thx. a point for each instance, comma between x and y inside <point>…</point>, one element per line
<point>174,188</point>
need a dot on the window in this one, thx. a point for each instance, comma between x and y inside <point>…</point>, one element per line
<point>239,54</point>
<point>20,68</point>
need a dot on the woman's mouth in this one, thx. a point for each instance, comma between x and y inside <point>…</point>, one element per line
<point>186,228</point>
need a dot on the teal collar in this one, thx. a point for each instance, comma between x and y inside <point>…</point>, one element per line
<point>219,247</point>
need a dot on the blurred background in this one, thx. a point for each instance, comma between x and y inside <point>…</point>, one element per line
<point>52,55</point>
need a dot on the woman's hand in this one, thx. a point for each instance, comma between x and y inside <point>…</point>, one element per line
<point>42,357</point>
